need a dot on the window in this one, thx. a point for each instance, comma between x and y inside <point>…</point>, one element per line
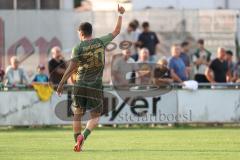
<point>49,4</point>
<point>26,4</point>
<point>6,4</point>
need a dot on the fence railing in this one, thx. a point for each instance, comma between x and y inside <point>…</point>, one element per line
<point>130,86</point>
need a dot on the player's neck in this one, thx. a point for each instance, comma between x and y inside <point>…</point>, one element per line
<point>87,38</point>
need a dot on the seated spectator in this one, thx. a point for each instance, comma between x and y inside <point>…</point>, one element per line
<point>177,66</point>
<point>144,67</point>
<point>148,39</point>
<point>40,77</point>
<point>56,66</point>
<point>131,35</point>
<point>143,56</point>
<point>236,75</point>
<point>185,56</point>
<point>201,60</point>
<point>229,59</point>
<point>14,74</point>
<point>2,73</point>
<point>218,70</point>
<point>121,70</point>
<point>161,73</point>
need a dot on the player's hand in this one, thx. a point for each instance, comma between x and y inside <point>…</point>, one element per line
<point>59,90</point>
<point>121,10</point>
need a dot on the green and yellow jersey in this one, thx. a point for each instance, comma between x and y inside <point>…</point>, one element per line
<point>90,55</point>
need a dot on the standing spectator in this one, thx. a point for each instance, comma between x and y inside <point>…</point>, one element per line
<point>161,74</point>
<point>131,35</point>
<point>2,73</point>
<point>229,59</point>
<point>56,66</point>
<point>201,60</point>
<point>236,75</point>
<point>218,70</point>
<point>121,70</point>
<point>185,56</point>
<point>136,23</point>
<point>40,77</point>
<point>14,74</point>
<point>144,67</point>
<point>148,39</point>
<point>177,66</point>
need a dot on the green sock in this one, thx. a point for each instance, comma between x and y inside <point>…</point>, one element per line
<point>86,133</point>
<point>76,135</point>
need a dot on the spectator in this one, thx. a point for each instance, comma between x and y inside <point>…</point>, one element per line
<point>219,68</point>
<point>136,23</point>
<point>56,66</point>
<point>185,56</point>
<point>131,35</point>
<point>162,73</point>
<point>14,74</point>
<point>2,73</point>
<point>148,39</point>
<point>144,68</point>
<point>121,70</point>
<point>229,59</point>
<point>144,56</point>
<point>40,77</point>
<point>177,66</point>
<point>201,60</point>
<point>236,75</point>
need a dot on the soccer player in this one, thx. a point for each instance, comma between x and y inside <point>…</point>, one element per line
<point>88,61</point>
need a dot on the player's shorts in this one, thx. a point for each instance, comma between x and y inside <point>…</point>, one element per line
<point>88,96</point>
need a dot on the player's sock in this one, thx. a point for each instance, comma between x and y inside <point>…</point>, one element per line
<point>86,133</point>
<point>76,135</point>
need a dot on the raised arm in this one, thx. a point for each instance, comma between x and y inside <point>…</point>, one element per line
<point>117,29</point>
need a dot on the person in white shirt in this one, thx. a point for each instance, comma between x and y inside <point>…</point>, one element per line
<point>131,36</point>
<point>14,74</point>
<point>144,68</point>
<point>123,68</point>
<point>201,60</point>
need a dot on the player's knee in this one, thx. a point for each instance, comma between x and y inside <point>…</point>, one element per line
<point>95,118</point>
<point>78,111</point>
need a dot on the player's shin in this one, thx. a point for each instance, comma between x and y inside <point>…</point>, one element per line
<point>77,123</point>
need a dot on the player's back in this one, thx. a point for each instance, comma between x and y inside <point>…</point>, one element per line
<point>90,55</point>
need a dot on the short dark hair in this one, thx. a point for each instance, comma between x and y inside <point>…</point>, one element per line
<point>135,22</point>
<point>132,25</point>
<point>229,52</point>
<point>184,44</point>
<point>201,41</point>
<point>145,24</point>
<point>85,28</point>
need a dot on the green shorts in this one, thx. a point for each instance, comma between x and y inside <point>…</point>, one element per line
<point>88,96</point>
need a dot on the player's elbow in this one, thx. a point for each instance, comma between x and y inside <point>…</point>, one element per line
<point>116,32</point>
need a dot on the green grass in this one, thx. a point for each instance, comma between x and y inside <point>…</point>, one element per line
<point>122,144</point>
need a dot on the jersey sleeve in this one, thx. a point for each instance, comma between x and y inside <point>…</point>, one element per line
<point>106,39</point>
<point>75,53</point>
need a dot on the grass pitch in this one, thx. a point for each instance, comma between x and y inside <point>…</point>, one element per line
<point>122,144</point>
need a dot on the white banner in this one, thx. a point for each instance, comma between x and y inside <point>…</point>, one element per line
<point>24,108</point>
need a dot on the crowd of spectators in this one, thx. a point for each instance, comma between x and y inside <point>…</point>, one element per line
<point>15,76</point>
<point>183,64</point>
<point>139,64</point>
